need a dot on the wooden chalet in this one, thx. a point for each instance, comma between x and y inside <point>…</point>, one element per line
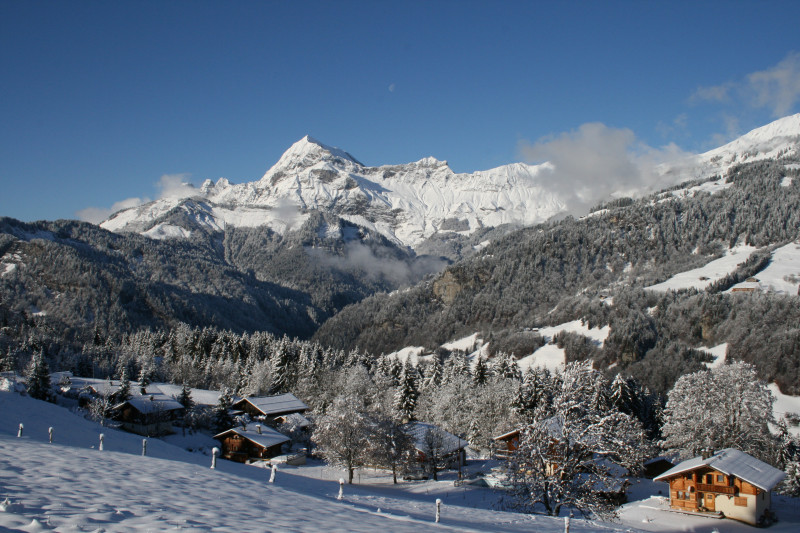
<point>451,449</point>
<point>729,483</point>
<point>149,415</point>
<point>252,443</point>
<point>270,409</point>
<point>507,444</point>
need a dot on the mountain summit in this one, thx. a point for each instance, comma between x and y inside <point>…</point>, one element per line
<point>408,203</point>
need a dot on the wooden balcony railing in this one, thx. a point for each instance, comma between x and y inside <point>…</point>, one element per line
<point>721,489</point>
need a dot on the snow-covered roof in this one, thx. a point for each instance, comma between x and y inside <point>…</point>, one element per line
<point>297,420</point>
<point>278,404</point>
<point>450,443</point>
<point>733,463</point>
<point>152,402</point>
<point>199,396</point>
<point>268,436</point>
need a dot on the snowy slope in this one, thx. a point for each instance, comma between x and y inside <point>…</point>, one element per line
<point>700,278</point>
<point>71,485</point>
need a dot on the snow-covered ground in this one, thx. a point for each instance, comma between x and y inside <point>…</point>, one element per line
<point>785,404</point>
<point>700,278</point>
<point>782,275</point>
<point>71,485</point>
<point>718,352</point>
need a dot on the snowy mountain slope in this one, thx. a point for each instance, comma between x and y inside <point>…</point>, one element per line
<point>71,485</point>
<point>776,139</point>
<point>406,203</point>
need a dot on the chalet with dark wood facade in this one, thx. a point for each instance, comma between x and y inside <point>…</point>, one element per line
<point>150,415</point>
<point>253,443</point>
<point>728,483</point>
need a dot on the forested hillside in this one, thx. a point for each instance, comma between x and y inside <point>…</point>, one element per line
<point>81,281</point>
<point>596,269</point>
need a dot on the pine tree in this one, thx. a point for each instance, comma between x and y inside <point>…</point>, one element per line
<point>480,373</point>
<point>39,378</point>
<point>124,392</point>
<point>405,399</point>
<point>221,415</point>
<point>185,398</point>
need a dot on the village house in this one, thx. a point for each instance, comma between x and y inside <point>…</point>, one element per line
<point>431,439</point>
<point>251,443</point>
<point>506,444</point>
<point>270,409</point>
<point>728,483</point>
<point>149,415</point>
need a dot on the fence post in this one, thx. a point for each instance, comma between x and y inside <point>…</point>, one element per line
<point>438,509</point>
<point>50,434</point>
<point>341,489</point>
<point>102,438</point>
<point>214,453</point>
<point>566,524</point>
<point>272,475</point>
<point>19,433</point>
<point>144,447</point>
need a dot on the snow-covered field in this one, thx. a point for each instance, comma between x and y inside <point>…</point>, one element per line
<point>71,485</point>
<point>782,275</point>
<point>700,278</point>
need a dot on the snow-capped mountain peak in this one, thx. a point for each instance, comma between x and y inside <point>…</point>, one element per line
<point>407,203</point>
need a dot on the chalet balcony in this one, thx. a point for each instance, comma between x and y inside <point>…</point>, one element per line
<point>720,489</point>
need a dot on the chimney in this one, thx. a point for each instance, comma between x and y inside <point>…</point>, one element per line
<point>258,428</point>
<point>706,453</point>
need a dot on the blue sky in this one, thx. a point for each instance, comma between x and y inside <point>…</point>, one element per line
<point>100,100</point>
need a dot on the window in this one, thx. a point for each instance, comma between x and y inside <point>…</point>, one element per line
<point>680,495</point>
<point>709,479</point>
<point>720,479</point>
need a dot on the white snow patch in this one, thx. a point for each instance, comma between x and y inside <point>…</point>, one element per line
<point>700,278</point>
<point>719,354</point>
<point>551,356</point>
<point>782,275</point>
<point>467,344</point>
<point>167,231</point>
<point>411,352</point>
<point>786,181</point>
<point>784,404</point>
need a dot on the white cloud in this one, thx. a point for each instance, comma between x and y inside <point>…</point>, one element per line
<point>168,186</point>
<point>596,162</point>
<point>778,88</point>
<point>95,215</point>
<point>391,87</point>
<point>176,186</point>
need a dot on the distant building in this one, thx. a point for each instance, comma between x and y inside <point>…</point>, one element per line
<point>728,483</point>
<point>428,438</point>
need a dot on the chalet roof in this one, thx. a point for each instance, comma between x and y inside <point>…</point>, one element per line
<point>268,436</point>
<point>450,443</point>
<point>732,462</point>
<point>275,405</point>
<point>151,403</point>
<point>510,435</point>
<point>199,396</point>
